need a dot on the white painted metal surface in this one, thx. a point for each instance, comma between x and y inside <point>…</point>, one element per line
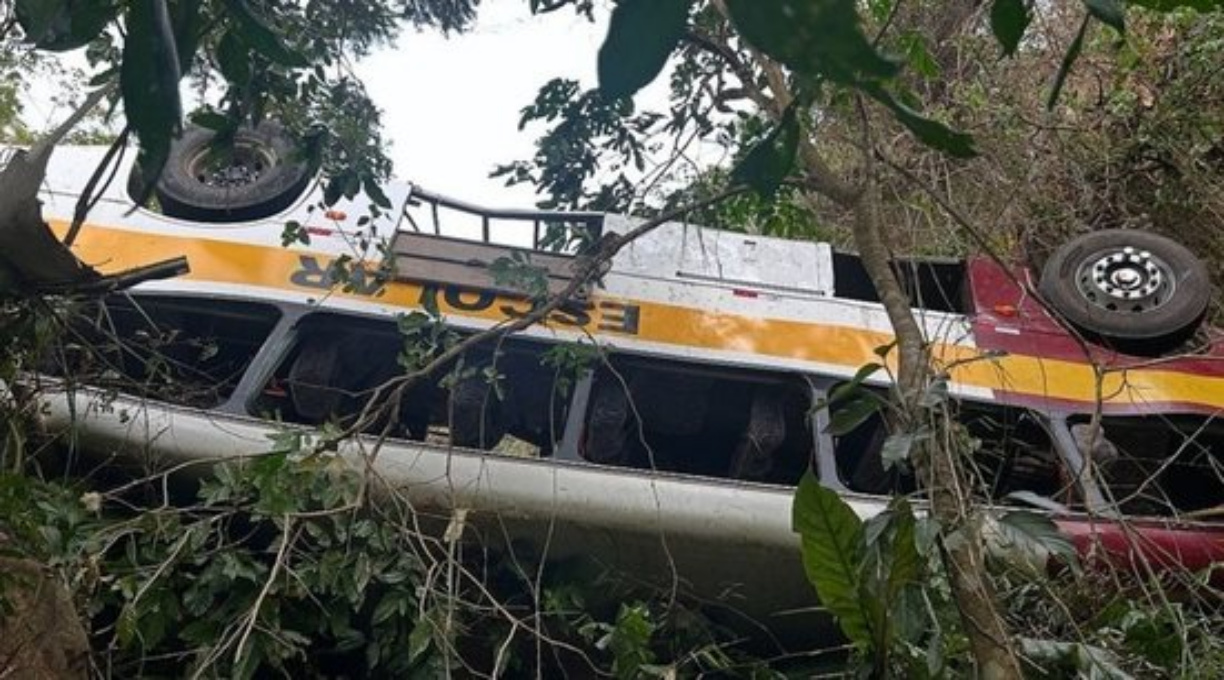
<point>678,250</point>
<point>726,542</point>
<point>678,264</point>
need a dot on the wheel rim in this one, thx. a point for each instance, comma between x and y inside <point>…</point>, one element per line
<point>241,166</point>
<point>1125,279</point>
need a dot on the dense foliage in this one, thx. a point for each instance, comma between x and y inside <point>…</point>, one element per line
<point>295,563</point>
<point>1133,139</point>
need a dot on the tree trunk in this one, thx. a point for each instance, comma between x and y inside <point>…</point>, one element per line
<point>936,465</point>
<point>41,637</point>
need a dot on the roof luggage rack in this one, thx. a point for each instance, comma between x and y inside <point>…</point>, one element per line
<point>443,240</point>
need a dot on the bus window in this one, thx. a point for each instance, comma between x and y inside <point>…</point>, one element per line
<point>504,400</point>
<point>1157,465</point>
<point>1011,451</point>
<point>699,420</point>
<point>188,351</point>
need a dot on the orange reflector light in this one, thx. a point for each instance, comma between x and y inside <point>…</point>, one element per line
<point>337,215</point>
<point>1005,310</point>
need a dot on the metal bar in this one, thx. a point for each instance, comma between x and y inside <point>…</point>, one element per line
<point>1081,470</point>
<point>568,447</point>
<point>592,222</point>
<point>411,220</point>
<point>822,442</point>
<point>509,214</point>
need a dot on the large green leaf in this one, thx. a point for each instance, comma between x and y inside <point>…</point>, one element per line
<point>849,413</point>
<point>641,36</point>
<point>64,24</point>
<point>892,568</point>
<point>928,130</point>
<point>768,163</point>
<point>831,536</point>
<point>261,37</point>
<point>823,38</point>
<point>234,60</point>
<point>813,37</point>
<point>1068,60</point>
<point>189,26</point>
<point>1108,12</point>
<point>904,560</point>
<point>1073,659</point>
<point>1009,19</point>
<point>1029,538</point>
<point>1170,5</point>
<point>149,80</point>
<point>899,446</point>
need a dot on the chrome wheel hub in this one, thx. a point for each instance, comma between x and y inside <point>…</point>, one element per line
<point>241,166</point>
<point>1125,279</point>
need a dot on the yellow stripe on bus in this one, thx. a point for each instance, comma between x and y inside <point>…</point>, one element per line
<point>112,250</point>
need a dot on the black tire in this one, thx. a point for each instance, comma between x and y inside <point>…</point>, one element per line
<point>1134,290</point>
<point>261,177</point>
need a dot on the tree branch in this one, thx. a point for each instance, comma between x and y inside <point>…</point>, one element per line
<point>590,268</point>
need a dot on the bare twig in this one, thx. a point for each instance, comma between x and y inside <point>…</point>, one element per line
<point>287,539</point>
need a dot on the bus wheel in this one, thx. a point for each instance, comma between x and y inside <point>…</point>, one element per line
<point>1135,290</point>
<point>259,175</point>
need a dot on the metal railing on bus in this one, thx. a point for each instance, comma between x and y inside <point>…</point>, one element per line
<point>554,231</point>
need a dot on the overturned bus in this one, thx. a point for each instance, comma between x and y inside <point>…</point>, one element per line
<point>658,421</point>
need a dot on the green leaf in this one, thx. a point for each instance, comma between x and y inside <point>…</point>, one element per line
<point>391,604</point>
<point>1170,5</point>
<point>768,163</point>
<point>892,567</point>
<point>864,372</point>
<point>189,25</point>
<point>854,388</point>
<point>362,570</point>
<point>909,617</point>
<point>904,562</point>
<point>1009,19</point>
<point>914,46</point>
<point>884,350</point>
<point>641,36</point>
<point>897,448</point>
<point>813,37</point>
<point>1037,501</point>
<point>1073,52</point>
<point>935,394</point>
<point>211,119</point>
<point>233,59</point>
<point>629,640</point>
<point>1033,536</point>
<point>375,193</point>
<point>1076,659</point>
<point>59,25</point>
<point>929,131</point>
<point>1109,12</point>
<point>831,536</point>
<point>127,626</point>
<point>926,535</point>
<point>149,79</point>
<point>260,37</point>
<point>851,413</point>
<point>420,639</point>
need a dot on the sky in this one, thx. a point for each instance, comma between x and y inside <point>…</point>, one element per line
<point>451,105</point>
